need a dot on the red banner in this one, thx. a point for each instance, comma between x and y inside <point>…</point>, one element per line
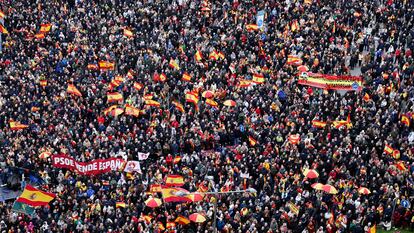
<point>94,167</point>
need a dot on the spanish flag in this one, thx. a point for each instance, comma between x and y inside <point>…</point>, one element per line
<point>138,86</point>
<point>258,78</point>
<point>3,29</point>
<point>294,60</point>
<point>34,197</point>
<point>214,55</point>
<point>163,77</point>
<point>252,27</point>
<point>45,28</point>
<point>161,226</point>
<point>39,36</point>
<point>106,65</point>
<point>366,97</point>
<point>108,110</point>
<point>174,64</point>
<point>191,97</point>
<point>174,180</point>
<point>318,124</point>
<point>92,67</point>
<point>175,195</point>
<point>294,26</point>
<point>373,229</point>
<point>252,141</point>
<point>118,80</point>
<point>73,90</point>
<point>114,97</point>
<point>155,188</point>
<point>198,56</point>
<point>186,77</point>
<point>14,125</point>
<point>182,220</point>
<point>211,102</point>
<point>146,218</point>
<point>128,33</point>
<point>294,139</point>
<point>2,15</point>
<point>388,149</point>
<point>148,96</point>
<point>221,55</point>
<point>401,166</point>
<point>131,111</point>
<point>170,225</point>
<point>405,120</point>
<point>152,103</point>
<point>178,106</point>
<point>245,83</point>
<point>120,204</point>
<point>43,83</point>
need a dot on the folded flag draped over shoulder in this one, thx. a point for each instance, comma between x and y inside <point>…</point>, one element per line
<point>175,195</point>
<point>15,125</point>
<point>35,197</point>
<point>174,180</point>
<point>114,97</point>
<point>73,90</point>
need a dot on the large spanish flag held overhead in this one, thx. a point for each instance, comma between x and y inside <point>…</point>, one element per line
<point>175,195</point>
<point>35,197</point>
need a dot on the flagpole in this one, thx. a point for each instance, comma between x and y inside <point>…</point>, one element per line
<point>1,35</point>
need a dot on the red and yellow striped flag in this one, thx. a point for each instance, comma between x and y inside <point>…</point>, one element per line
<point>2,15</point>
<point>114,97</point>
<point>258,78</point>
<point>294,60</point>
<point>15,125</point>
<point>405,120</point>
<point>174,64</point>
<point>138,86</point>
<point>3,29</point>
<point>35,197</point>
<point>366,97</point>
<point>118,80</point>
<point>174,180</point>
<point>191,97</point>
<point>152,103</point>
<point>214,55</point>
<point>128,33</point>
<point>318,124</point>
<point>131,110</point>
<point>73,90</point>
<point>106,65</point>
<point>163,77</point>
<point>221,55</point>
<point>211,102</point>
<point>252,141</point>
<point>244,83</point>
<point>186,77</point>
<point>45,28</point>
<point>108,110</point>
<point>182,220</point>
<point>178,106</point>
<point>198,56</point>
<point>171,195</point>
<point>120,204</point>
<point>252,27</point>
<point>43,83</point>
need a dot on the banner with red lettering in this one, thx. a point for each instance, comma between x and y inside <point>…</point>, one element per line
<point>94,167</point>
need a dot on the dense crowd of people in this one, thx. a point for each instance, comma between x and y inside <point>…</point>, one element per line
<point>213,146</point>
